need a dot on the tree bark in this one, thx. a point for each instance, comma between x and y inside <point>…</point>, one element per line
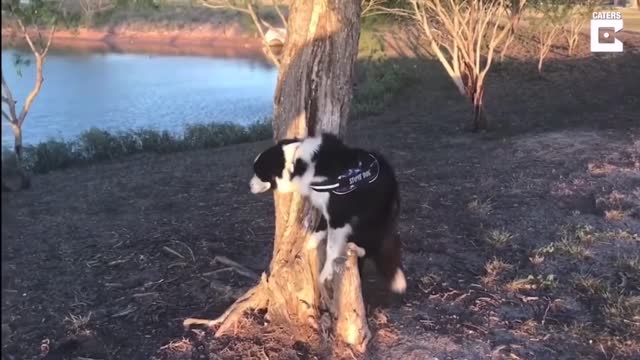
<point>313,94</point>
<point>25,182</point>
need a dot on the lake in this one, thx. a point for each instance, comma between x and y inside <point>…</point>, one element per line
<point>115,91</point>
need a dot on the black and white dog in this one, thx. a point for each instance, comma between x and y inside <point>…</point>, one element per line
<point>355,190</point>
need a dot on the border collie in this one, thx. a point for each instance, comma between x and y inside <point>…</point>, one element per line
<point>355,190</point>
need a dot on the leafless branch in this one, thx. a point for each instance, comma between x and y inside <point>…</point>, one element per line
<point>7,98</point>
<point>280,14</point>
<point>6,116</point>
<point>223,5</point>
<point>27,37</point>
<point>257,21</point>
<point>49,40</point>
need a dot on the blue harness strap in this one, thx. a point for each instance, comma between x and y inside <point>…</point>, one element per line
<point>351,179</point>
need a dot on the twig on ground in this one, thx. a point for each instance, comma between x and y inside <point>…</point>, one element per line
<point>546,312</point>
<point>173,252</point>
<point>188,248</point>
<point>239,268</point>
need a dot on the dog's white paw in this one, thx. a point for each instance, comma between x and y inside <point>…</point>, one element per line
<point>315,239</point>
<point>326,274</point>
<point>399,282</point>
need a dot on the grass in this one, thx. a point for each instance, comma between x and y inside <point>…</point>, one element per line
<point>499,238</point>
<point>384,81</point>
<point>495,269</point>
<point>589,285</point>
<point>615,215</point>
<point>531,282</point>
<point>77,323</point>
<point>382,78</point>
<point>99,145</point>
<point>618,307</point>
<point>576,240</point>
<point>480,208</point>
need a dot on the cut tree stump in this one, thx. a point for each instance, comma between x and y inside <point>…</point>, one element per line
<point>345,302</point>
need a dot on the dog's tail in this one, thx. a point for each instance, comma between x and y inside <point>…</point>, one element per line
<point>393,243</point>
<point>390,259</point>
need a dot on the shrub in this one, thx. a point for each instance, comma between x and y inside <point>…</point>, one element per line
<point>96,145</point>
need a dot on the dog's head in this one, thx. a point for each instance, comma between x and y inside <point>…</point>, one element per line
<point>273,167</point>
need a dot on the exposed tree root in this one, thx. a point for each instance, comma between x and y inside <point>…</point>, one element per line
<point>252,299</point>
<point>345,319</point>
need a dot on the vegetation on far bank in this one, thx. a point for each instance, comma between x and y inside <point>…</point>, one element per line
<point>98,145</point>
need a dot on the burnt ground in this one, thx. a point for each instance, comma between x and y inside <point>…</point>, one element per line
<point>520,243</point>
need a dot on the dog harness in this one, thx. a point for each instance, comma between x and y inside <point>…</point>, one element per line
<point>364,173</point>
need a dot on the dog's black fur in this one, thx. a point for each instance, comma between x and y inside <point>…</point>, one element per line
<point>371,210</point>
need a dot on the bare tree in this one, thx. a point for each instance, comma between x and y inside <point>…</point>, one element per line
<point>92,7</point>
<point>514,10</point>
<point>464,35</point>
<point>250,7</point>
<point>313,94</point>
<point>548,23</point>
<point>20,17</point>
<point>376,7</point>
<point>579,14</point>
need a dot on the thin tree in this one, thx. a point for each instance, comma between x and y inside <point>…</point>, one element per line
<point>514,10</point>
<point>464,35</point>
<point>35,23</point>
<point>92,7</point>
<point>579,14</point>
<point>313,94</point>
<point>548,23</point>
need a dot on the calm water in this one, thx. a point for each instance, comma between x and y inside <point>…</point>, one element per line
<point>124,91</point>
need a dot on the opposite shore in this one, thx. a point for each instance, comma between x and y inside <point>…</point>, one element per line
<point>204,40</point>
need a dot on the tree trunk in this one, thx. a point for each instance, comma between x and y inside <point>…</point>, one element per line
<point>313,94</point>
<point>540,61</point>
<point>25,182</point>
<point>314,85</point>
<point>480,121</point>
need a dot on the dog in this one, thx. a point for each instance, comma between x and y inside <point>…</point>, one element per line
<point>355,190</point>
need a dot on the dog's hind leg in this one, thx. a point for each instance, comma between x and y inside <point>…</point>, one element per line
<point>336,242</point>
<point>389,264</point>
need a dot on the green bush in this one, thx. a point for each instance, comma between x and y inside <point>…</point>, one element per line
<point>383,81</point>
<point>380,79</point>
<point>96,145</point>
<point>50,155</point>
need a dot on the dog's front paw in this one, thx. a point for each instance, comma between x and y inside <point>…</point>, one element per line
<point>315,239</point>
<point>326,274</point>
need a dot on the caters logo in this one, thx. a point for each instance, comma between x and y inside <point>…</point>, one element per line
<point>604,26</point>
